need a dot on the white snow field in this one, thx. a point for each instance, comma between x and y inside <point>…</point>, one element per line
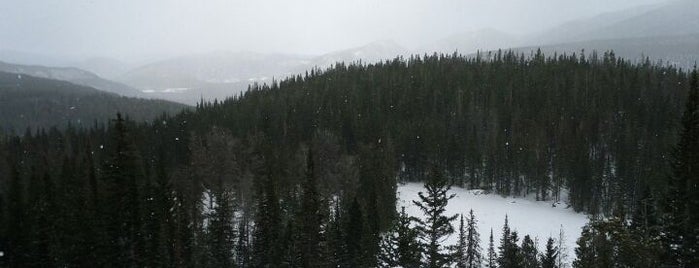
<point>539,219</point>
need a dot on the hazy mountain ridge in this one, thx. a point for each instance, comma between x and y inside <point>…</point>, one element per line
<point>218,75</point>
<point>679,50</point>
<point>467,42</point>
<point>71,74</point>
<point>35,102</point>
<point>580,29</point>
<point>104,67</point>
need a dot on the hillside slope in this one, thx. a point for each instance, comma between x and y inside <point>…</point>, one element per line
<point>73,75</point>
<point>27,101</point>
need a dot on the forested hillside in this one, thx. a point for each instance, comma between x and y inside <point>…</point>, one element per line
<point>31,102</point>
<point>597,125</point>
<point>303,172</point>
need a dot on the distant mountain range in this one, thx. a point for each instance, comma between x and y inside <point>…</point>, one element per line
<point>188,79</point>
<point>666,32</point>
<point>679,50</point>
<point>34,102</point>
<point>73,75</point>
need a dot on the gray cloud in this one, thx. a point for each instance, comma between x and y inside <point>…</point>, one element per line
<point>132,29</point>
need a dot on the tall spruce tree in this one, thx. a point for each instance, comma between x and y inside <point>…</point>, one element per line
<point>435,227</point>
<point>266,243</point>
<point>680,219</point>
<point>242,247</point>
<point>121,174</point>
<point>220,230</point>
<point>400,246</point>
<point>310,219</point>
<point>336,240</point>
<point>509,255</point>
<point>473,250</point>
<point>388,255</point>
<point>354,230</point>
<point>409,251</point>
<point>492,257</point>
<point>460,247</point>
<point>548,258</point>
<point>530,255</point>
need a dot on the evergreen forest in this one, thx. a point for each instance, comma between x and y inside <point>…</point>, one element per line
<point>303,171</point>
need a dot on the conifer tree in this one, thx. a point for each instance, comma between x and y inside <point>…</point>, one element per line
<point>610,243</point>
<point>371,237</point>
<point>409,251</point>
<point>266,250</point>
<point>504,249</point>
<point>310,219</point>
<point>584,252</point>
<point>43,246</point>
<point>122,174</point>
<point>460,247</point>
<point>289,245</point>
<point>510,255</point>
<point>530,258</point>
<point>388,255</point>
<point>242,247</point>
<point>220,230</point>
<point>645,221</point>
<point>473,249</point>
<point>353,234</point>
<point>436,226</point>
<point>680,219</point>
<point>336,242</point>
<point>548,258</point>
<point>153,232</point>
<point>492,257</point>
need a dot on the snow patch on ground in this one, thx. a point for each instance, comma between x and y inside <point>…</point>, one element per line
<point>539,219</point>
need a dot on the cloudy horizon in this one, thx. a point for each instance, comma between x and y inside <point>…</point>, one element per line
<point>137,30</point>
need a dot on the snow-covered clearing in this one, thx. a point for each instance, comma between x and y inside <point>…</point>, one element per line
<point>539,219</point>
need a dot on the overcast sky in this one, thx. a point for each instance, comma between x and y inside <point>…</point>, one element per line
<point>128,29</point>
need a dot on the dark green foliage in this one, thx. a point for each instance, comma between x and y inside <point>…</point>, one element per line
<point>354,233</point>
<point>548,258</point>
<point>473,238</point>
<point>43,246</point>
<point>610,243</point>
<point>310,219</point>
<point>459,254</point>
<point>435,226</point>
<point>242,247</point>
<point>400,245</point>
<point>337,255</point>
<point>530,255</point>
<point>122,174</point>
<point>597,126</point>
<point>509,255</point>
<point>220,231</point>
<point>409,251</point>
<point>492,257</point>
<point>17,231</point>
<point>468,250</point>
<point>680,219</point>
<point>268,225</point>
